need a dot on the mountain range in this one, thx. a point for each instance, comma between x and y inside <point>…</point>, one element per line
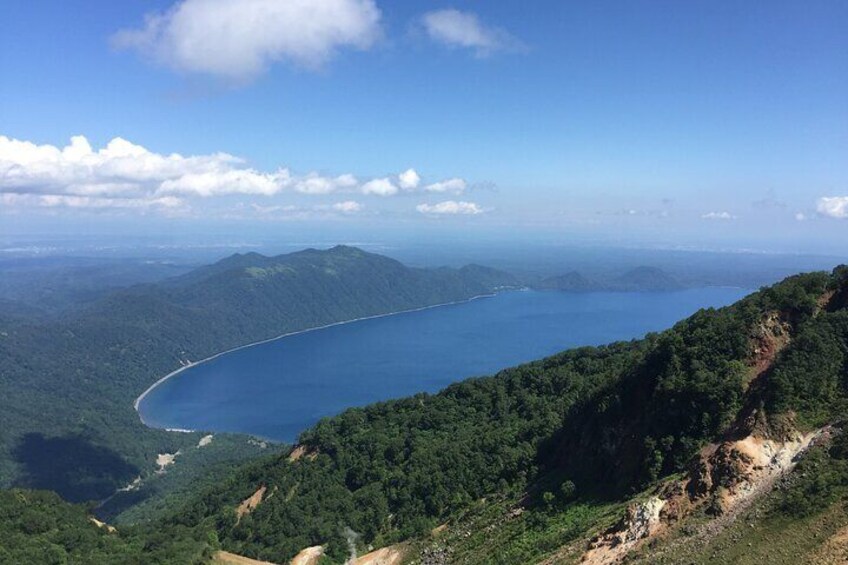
<point>718,440</point>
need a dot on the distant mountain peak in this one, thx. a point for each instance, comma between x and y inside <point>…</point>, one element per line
<point>642,278</point>
<point>345,249</point>
<point>647,278</point>
<point>570,281</point>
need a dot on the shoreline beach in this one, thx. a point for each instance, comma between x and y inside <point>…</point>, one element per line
<point>189,365</point>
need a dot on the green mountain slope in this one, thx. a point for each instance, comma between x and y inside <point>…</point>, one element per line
<point>38,527</point>
<point>536,461</point>
<point>66,416</point>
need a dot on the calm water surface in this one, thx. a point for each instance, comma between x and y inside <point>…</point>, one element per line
<point>277,389</point>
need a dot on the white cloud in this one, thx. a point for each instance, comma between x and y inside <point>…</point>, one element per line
<point>409,179</point>
<point>801,217</point>
<point>451,207</point>
<point>833,206</point>
<point>126,175</point>
<point>456,185</point>
<point>316,184</point>
<point>240,40</point>
<point>290,211</point>
<point>380,187</point>
<point>347,207</point>
<point>88,202</point>
<point>454,28</point>
<point>126,170</point>
<point>718,216</point>
<point>217,183</point>
<point>60,200</point>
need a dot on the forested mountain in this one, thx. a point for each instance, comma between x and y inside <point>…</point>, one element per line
<point>66,416</point>
<point>639,279</point>
<point>648,450</point>
<point>589,454</point>
<point>570,282</point>
<point>645,278</point>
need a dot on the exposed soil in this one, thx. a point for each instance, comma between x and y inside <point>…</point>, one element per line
<point>227,558</point>
<point>770,336</point>
<point>834,551</point>
<point>309,556</point>
<point>250,503</point>
<point>302,451</point>
<point>392,555</point>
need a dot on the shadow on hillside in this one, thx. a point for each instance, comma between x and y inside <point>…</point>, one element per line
<point>72,466</point>
<point>122,501</point>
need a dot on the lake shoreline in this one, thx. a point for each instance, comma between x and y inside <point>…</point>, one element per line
<point>191,364</point>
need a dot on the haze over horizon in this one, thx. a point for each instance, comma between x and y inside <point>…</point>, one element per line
<point>656,124</point>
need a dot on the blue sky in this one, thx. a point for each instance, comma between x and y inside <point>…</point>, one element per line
<point>700,123</point>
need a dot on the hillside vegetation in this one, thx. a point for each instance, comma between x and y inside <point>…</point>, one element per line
<point>550,453</point>
<point>678,447</point>
<point>37,527</point>
<point>66,417</point>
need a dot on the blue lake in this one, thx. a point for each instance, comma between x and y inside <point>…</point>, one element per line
<point>277,389</point>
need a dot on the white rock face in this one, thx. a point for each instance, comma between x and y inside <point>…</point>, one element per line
<point>645,517</point>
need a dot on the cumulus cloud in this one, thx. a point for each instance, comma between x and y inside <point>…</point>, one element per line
<point>450,207</point>
<point>347,207</point>
<point>240,40</point>
<point>125,170</point>
<point>457,29</point>
<point>718,216</point>
<point>409,179</point>
<point>216,183</point>
<point>126,175</point>
<point>380,187</point>
<point>455,185</point>
<point>833,207</point>
<point>314,183</point>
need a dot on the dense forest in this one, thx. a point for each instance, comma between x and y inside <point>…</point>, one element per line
<point>587,427</point>
<point>66,417</point>
<point>38,527</point>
